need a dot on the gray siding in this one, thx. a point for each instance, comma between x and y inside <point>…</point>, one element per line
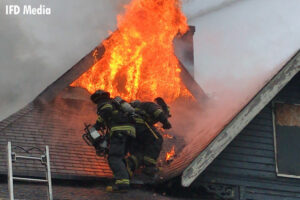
<point>248,163</point>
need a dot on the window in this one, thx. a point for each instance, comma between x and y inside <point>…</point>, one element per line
<point>286,118</point>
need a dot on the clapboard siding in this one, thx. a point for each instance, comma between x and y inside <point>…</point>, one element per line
<point>249,161</point>
<point>254,192</point>
<point>248,158</point>
<point>258,133</point>
<point>253,145</point>
<point>251,138</point>
<point>249,151</point>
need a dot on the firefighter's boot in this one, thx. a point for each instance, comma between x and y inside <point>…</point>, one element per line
<point>150,171</point>
<point>150,168</point>
<point>120,186</point>
<point>132,163</point>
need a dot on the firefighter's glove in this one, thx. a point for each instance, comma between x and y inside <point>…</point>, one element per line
<point>102,147</point>
<point>102,152</point>
<point>167,125</point>
<point>99,126</point>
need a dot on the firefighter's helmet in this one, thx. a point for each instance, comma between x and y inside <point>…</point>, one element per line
<point>160,101</point>
<point>135,103</point>
<point>98,95</point>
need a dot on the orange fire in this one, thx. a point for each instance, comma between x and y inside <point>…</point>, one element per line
<point>170,154</point>
<point>166,135</point>
<point>139,60</point>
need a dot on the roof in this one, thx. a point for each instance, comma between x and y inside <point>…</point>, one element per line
<point>205,155</point>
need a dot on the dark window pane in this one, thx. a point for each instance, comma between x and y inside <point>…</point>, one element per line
<point>288,138</point>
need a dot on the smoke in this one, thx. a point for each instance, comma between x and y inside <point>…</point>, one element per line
<point>21,73</point>
<point>237,50</point>
<point>234,44</point>
<point>202,122</point>
<point>195,9</point>
<point>36,50</point>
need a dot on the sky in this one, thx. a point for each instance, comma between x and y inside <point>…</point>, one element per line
<point>234,39</point>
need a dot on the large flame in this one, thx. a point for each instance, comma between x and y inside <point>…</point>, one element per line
<point>139,60</point>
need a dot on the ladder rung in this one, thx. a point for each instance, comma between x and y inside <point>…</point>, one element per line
<point>30,179</point>
<point>29,157</point>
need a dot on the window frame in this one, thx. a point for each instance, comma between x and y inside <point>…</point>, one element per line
<point>275,140</point>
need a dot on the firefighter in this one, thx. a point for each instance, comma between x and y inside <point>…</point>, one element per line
<point>148,143</point>
<point>111,117</point>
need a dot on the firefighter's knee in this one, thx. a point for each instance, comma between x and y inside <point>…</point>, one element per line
<point>133,162</point>
<point>113,160</point>
<point>149,161</point>
<point>117,145</point>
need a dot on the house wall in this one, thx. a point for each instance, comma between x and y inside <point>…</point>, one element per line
<point>246,169</point>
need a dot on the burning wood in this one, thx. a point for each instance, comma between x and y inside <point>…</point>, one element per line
<point>170,155</point>
<point>166,135</point>
<point>139,60</point>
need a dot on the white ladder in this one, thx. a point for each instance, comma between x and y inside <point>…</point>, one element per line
<point>45,160</point>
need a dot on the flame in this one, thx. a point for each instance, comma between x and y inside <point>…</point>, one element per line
<point>166,135</point>
<point>170,154</point>
<point>139,60</point>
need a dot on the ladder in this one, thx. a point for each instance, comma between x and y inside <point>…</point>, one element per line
<point>13,157</point>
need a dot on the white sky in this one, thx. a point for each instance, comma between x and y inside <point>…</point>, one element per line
<point>248,39</point>
<point>233,40</point>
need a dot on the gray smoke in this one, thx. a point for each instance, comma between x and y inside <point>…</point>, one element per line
<point>195,8</point>
<point>21,67</point>
<point>36,50</point>
<point>238,48</point>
